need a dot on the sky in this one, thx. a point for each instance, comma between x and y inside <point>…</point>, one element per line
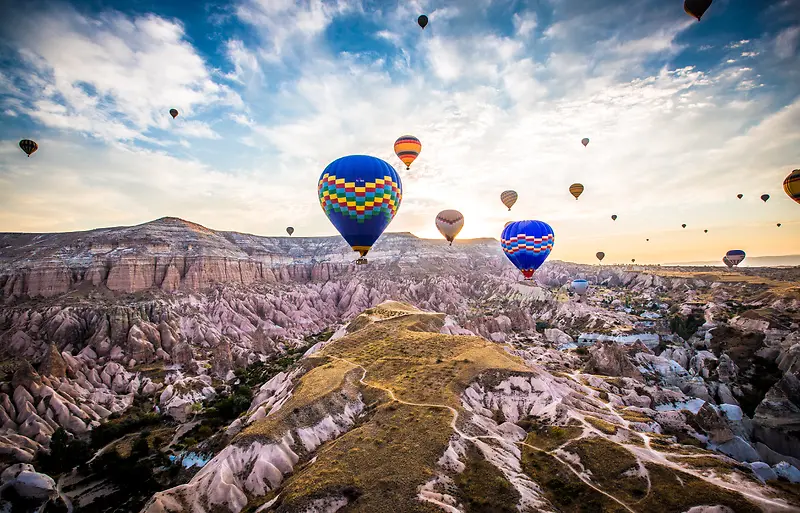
<point>682,116</point>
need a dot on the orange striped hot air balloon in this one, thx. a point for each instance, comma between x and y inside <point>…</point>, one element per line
<point>407,148</point>
<point>576,190</point>
<point>508,198</point>
<point>792,185</point>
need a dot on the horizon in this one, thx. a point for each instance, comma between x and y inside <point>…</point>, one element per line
<point>681,117</point>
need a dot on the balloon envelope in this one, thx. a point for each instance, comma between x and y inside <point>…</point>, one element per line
<point>509,198</point>
<point>727,262</point>
<point>585,141</point>
<point>614,217</point>
<point>735,256</point>
<point>290,230</point>
<point>580,286</point>
<point>740,196</point>
<point>696,8</point>
<point>407,148</point>
<point>28,146</point>
<point>527,244</point>
<point>576,190</point>
<point>683,225</point>
<point>764,197</point>
<point>360,195</point>
<point>449,223</point>
<point>422,21</point>
<point>792,185</point>
<point>779,225</point>
<point>600,255</point>
<point>173,113</point>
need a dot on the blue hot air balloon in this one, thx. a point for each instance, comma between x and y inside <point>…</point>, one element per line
<point>735,256</point>
<point>580,286</point>
<point>527,244</point>
<point>360,195</point>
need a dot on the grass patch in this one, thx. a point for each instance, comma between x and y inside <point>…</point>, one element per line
<point>609,462</point>
<point>675,492</point>
<point>483,488</point>
<point>550,437</point>
<point>380,463</point>
<point>634,416</point>
<point>603,426</point>
<point>562,487</point>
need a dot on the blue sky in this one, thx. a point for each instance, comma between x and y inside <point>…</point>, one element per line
<point>682,116</point>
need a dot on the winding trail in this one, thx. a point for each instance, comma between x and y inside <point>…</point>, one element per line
<point>642,454</point>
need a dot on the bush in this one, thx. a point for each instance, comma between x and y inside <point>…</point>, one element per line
<point>542,325</point>
<point>64,455</point>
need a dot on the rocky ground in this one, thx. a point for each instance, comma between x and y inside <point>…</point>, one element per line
<point>205,361</point>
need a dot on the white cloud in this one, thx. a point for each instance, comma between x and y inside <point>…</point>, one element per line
<point>525,23</point>
<point>113,76</point>
<point>786,42</point>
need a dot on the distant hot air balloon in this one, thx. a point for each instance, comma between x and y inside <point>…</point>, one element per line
<point>764,197</point>
<point>683,225</point>
<point>527,244</point>
<point>576,190</point>
<point>585,142</point>
<point>779,225</point>
<point>696,8</point>
<point>648,240</point>
<point>633,260</point>
<point>290,230</point>
<point>740,196</point>
<point>727,262</point>
<point>792,185</point>
<point>407,148</point>
<point>580,287</point>
<point>28,146</point>
<point>705,231</point>
<point>173,113</point>
<point>422,21</point>
<point>449,223</point>
<point>735,256</point>
<point>360,195</point>
<point>614,217</point>
<point>600,255</point>
<point>509,198</point>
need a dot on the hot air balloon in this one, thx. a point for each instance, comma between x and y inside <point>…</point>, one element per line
<point>422,21</point>
<point>727,262</point>
<point>360,195</point>
<point>614,217</point>
<point>740,196</point>
<point>683,225</point>
<point>28,146</point>
<point>779,225</point>
<point>633,260</point>
<point>576,190</point>
<point>792,185</point>
<point>173,113</point>
<point>585,142</point>
<point>580,287</point>
<point>696,8</point>
<point>648,240</point>
<point>735,256</point>
<point>509,198</point>
<point>600,255</point>
<point>407,148</point>
<point>289,230</point>
<point>764,197</point>
<point>705,231</point>
<point>527,244</point>
<point>449,223</point>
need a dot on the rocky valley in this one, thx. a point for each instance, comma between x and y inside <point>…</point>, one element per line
<point>168,367</point>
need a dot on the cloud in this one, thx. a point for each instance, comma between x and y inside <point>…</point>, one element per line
<point>786,42</point>
<point>111,76</point>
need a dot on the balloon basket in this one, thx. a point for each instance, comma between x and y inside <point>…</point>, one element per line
<point>361,261</point>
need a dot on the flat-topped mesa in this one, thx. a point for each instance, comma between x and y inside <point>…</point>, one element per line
<point>171,253</point>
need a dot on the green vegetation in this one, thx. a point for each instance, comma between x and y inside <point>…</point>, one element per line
<point>613,467</point>
<point>685,327</point>
<point>675,492</point>
<point>118,426</point>
<point>606,427</point>
<point>64,454</point>
<point>562,487</point>
<point>484,488</point>
<point>548,437</point>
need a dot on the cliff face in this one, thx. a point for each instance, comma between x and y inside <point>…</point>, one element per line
<point>171,254</point>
